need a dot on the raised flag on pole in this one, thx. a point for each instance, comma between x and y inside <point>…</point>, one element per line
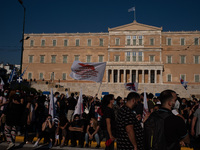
<point>145,109</point>
<point>88,71</point>
<point>79,105</point>
<point>52,110</point>
<point>131,9</point>
<point>11,76</point>
<point>133,87</point>
<point>23,72</point>
<point>184,83</point>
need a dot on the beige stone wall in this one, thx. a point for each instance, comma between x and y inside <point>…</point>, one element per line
<point>119,90</point>
<point>160,50</point>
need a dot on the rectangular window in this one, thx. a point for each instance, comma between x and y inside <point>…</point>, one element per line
<point>151,41</point>
<point>32,43</point>
<point>100,42</point>
<point>89,42</point>
<point>140,56</point>
<point>117,41</point>
<point>64,59</point>
<point>196,41</point>
<point>169,78</point>
<point>88,58</point>
<point>151,58</point>
<point>53,59</point>
<point>169,59</point>
<point>100,58</point>
<point>116,58</point>
<point>54,42</point>
<point>183,77</point>
<point>134,40</point>
<point>41,76</point>
<point>77,42</point>
<point>76,57</point>
<point>64,76</point>
<point>41,58</point>
<point>128,56</point>
<point>134,56</point>
<point>196,78</point>
<point>140,40</point>
<point>182,41</point>
<point>29,76</point>
<point>65,42</point>
<point>30,59</point>
<point>183,59</point>
<point>43,43</point>
<point>128,40</point>
<point>196,59</point>
<point>169,41</point>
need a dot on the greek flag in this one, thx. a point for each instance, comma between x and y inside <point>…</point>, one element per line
<point>23,72</point>
<point>131,9</point>
<point>11,75</point>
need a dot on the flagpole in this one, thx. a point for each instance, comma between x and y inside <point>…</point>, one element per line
<point>98,90</point>
<point>134,15</point>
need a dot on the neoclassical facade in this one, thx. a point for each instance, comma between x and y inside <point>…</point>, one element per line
<point>134,52</point>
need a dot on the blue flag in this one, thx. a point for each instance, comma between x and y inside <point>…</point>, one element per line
<point>11,75</point>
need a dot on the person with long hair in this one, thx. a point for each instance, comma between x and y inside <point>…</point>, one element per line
<point>92,132</point>
<point>108,123</point>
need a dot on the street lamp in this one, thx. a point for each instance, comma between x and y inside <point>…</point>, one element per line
<point>22,50</point>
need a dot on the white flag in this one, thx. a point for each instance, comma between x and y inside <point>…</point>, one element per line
<point>79,105</point>
<point>52,110</point>
<point>88,71</point>
<point>145,110</point>
<point>131,9</point>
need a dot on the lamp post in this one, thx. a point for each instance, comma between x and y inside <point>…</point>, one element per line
<point>22,50</point>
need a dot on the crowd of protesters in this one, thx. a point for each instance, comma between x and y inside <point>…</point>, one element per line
<point>109,117</point>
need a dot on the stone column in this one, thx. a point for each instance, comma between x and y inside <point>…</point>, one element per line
<point>142,76</point>
<point>107,75</point>
<point>118,76</point>
<point>112,75</point>
<point>124,75</point>
<point>136,76</point>
<point>130,76</point>
<point>155,76</point>
<point>161,81</point>
<point>149,74</point>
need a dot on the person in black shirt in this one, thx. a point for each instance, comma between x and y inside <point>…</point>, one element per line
<point>47,131</point>
<point>71,107</point>
<point>108,120</point>
<point>129,129</point>
<point>76,131</point>
<point>14,113</point>
<point>92,132</point>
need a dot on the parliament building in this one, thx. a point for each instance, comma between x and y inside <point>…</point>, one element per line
<point>133,52</point>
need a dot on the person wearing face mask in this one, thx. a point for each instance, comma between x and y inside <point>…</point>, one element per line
<point>76,129</point>
<point>47,132</point>
<point>129,129</point>
<point>163,130</point>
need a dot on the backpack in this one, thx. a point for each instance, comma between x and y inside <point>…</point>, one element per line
<point>154,136</point>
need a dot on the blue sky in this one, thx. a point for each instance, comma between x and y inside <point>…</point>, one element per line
<point>60,16</point>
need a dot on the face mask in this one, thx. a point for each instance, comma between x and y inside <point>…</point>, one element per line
<point>5,94</point>
<point>17,93</point>
<point>58,95</point>
<point>115,103</point>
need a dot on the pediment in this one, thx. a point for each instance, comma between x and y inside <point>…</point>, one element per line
<point>135,26</point>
